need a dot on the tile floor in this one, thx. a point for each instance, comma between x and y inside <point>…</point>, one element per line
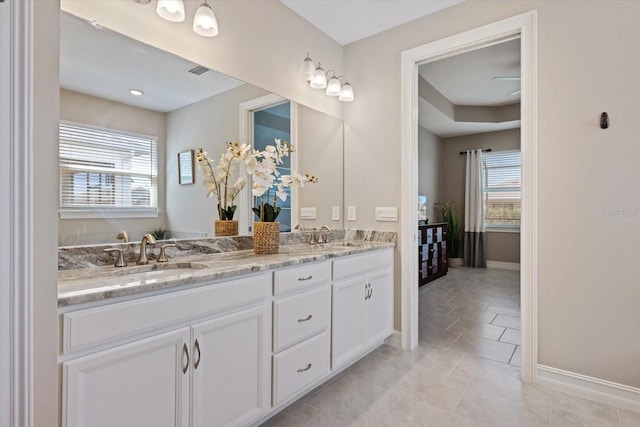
<point>464,373</point>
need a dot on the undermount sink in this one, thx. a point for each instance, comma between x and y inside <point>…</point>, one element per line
<point>343,244</point>
<point>161,268</point>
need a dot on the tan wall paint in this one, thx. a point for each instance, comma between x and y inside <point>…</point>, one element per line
<point>587,64</point>
<point>500,247</point>
<point>44,242</point>
<point>209,123</point>
<point>90,110</point>
<point>429,169</point>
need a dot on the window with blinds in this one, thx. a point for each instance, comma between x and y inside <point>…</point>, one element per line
<point>107,170</point>
<point>501,177</point>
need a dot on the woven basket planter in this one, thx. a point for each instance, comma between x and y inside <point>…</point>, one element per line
<point>226,228</point>
<point>266,237</point>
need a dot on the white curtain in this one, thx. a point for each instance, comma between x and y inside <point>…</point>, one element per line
<point>474,232</point>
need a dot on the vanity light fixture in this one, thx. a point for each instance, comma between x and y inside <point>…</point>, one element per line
<point>171,10</point>
<point>317,79</point>
<point>205,22</point>
<point>136,92</point>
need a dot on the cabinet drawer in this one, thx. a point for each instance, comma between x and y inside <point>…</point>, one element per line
<point>96,326</point>
<point>300,277</point>
<point>300,316</point>
<point>361,264</point>
<point>300,366</point>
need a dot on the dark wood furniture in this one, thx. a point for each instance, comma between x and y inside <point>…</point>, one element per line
<point>432,251</point>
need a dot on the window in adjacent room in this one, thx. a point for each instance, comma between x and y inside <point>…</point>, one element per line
<point>106,172</point>
<point>501,177</point>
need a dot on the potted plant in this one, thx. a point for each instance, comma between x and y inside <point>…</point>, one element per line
<point>454,235</point>
<point>217,182</point>
<point>263,167</point>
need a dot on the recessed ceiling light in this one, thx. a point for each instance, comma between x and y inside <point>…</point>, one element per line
<point>136,92</point>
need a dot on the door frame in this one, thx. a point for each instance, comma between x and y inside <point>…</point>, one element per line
<point>524,26</point>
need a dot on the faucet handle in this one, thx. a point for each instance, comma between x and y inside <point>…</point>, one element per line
<point>120,262</point>
<point>163,256</point>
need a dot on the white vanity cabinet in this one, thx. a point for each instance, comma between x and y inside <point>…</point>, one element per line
<point>362,301</point>
<point>199,357</point>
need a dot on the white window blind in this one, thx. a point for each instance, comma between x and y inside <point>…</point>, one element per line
<point>501,177</point>
<point>107,169</point>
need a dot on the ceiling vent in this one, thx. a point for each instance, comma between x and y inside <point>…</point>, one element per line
<point>198,70</point>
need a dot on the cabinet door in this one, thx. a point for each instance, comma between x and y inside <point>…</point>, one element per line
<point>137,384</point>
<point>231,369</point>
<point>347,335</point>
<point>379,307</point>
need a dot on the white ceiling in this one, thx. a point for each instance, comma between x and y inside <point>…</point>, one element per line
<point>106,64</point>
<point>347,21</point>
<point>467,79</point>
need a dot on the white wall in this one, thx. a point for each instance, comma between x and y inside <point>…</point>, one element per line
<point>589,223</point>
<point>429,161</point>
<point>90,110</point>
<point>209,124</point>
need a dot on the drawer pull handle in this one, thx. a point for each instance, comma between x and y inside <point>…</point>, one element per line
<point>185,353</point>
<point>305,319</point>
<point>302,279</point>
<point>305,369</point>
<point>196,362</point>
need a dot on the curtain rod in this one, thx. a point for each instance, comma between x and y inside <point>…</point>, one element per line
<point>487,150</point>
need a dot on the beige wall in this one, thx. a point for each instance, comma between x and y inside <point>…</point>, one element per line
<point>586,65</point>
<point>90,110</point>
<point>429,169</point>
<point>501,246</point>
<point>209,124</point>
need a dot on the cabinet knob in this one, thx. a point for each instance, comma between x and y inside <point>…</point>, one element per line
<point>305,369</point>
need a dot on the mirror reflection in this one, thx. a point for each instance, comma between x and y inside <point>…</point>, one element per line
<point>113,84</point>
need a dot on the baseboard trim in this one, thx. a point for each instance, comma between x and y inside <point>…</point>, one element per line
<point>499,265</point>
<point>394,340</point>
<point>610,393</point>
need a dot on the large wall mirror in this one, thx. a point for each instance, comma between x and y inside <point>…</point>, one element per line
<point>183,106</point>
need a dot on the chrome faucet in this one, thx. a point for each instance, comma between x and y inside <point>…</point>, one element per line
<point>326,236</point>
<point>142,259</point>
<point>299,227</point>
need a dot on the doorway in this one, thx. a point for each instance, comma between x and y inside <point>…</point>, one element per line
<point>523,26</point>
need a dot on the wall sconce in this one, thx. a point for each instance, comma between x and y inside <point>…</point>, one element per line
<point>317,79</point>
<point>204,21</point>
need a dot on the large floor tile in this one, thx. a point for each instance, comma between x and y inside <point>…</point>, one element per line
<point>477,329</point>
<point>511,336</point>
<point>516,358</point>
<point>485,348</point>
<point>475,315</point>
<point>564,418</point>
<point>296,415</point>
<point>507,321</point>
<point>629,419</point>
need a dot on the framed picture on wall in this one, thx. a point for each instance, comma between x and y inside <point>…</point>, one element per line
<point>185,167</point>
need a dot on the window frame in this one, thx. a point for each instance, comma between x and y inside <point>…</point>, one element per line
<point>501,228</point>
<point>106,211</point>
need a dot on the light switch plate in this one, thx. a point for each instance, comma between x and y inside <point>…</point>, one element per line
<point>308,213</point>
<point>351,213</point>
<point>335,213</point>
<point>386,214</point>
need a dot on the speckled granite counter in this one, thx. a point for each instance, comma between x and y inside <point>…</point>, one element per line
<point>84,285</point>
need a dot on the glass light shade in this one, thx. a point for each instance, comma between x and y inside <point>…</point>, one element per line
<point>308,69</point>
<point>346,95</point>
<point>320,79</point>
<point>334,88</point>
<point>171,10</point>
<point>205,22</point>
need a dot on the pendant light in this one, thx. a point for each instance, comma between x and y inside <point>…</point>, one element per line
<point>171,10</point>
<point>205,22</point>
<point>320,79</point>
<point>308,69</point>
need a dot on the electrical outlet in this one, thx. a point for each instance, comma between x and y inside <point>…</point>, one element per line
<point>335,213</point>
<point>351,213</point>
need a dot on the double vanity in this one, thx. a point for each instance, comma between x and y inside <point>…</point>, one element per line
<point>224,339</point>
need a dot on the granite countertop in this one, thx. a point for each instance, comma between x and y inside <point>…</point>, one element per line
<point>93,284</point>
